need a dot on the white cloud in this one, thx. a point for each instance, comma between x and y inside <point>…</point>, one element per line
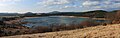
<point>117,5</point>
<point>80,4</point>
<point>9,0</point>
<point>67,6</point>
<point>3,4</point>
<point>60,4</point>
<point>116,0</point>
<point>103,4</point>
<point>53,2</point>
<point>90,3</point>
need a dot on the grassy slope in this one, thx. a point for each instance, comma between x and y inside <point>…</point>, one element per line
<point>109,31</point>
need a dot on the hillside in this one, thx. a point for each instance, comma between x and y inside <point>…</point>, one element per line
<point>109,31</point>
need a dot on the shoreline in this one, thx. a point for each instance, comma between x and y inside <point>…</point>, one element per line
<point>99,19</point>
<point>19,19</point>
<point>72,17</point>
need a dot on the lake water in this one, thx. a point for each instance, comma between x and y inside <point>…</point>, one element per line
<point>45,21</point>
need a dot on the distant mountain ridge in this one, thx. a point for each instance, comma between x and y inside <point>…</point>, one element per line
<point>60,13</point>
<point>8,14</point>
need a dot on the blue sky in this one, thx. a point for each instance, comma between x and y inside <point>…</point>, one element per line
<point>40,6</point>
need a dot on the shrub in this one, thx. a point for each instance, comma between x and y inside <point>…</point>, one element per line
<point>43,29</point>
<point>88,23</point>
<point>114,17</point>
<point>62,27</point>
<point>40,29</point>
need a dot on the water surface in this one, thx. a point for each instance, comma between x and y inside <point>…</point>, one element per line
<point>46,21</point>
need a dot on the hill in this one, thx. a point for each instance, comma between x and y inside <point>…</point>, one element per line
<point>109,31</point>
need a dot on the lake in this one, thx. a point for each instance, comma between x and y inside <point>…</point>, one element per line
<point>45,21</point>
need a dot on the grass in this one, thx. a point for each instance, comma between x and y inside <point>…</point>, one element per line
<point>109,31</point>
<point>18,29</point>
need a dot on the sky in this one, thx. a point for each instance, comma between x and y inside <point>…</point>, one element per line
<point>44,6</point>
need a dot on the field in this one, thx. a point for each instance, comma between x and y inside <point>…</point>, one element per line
<point>109,31</point>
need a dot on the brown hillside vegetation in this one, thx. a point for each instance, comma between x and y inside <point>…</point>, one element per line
<point>109,31</point>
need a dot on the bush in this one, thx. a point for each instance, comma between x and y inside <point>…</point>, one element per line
<point>88,23</point>
<point>114,17</point>
<point>62,27</point>
<point>17,30</point>
<point>40,29</point>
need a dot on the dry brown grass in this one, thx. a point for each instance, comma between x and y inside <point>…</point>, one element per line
<point>109,31</point>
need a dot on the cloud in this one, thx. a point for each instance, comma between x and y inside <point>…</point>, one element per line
<point>90,3</point>
<point>64,5</point>
<point>3,4</point>
<point>97,2</point>
<point>59,4</point>
<point>9,0</point>
<point>53,2</point>
<point>80,4</point>
<point>102,3</point>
